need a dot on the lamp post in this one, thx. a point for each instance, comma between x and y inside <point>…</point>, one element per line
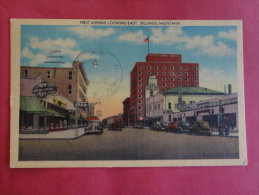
<point>135,114</point>
<point>95,65</point>
<point>221,111</point>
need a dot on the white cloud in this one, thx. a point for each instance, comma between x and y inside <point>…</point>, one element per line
<point>89,31</point>
<point>26,53</point>
<point>37,59</point>
<point>231,34</point>
<point>137,37</point>
<point>168,37</point>
<point>50,44</point>
<point>204,44</point>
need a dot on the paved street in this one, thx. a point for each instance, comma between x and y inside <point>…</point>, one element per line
<point>131,144</point>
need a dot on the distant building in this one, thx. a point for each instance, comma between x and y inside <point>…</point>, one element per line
<point>162,106</point>
<point>126,110</point>
<point>168,69</point>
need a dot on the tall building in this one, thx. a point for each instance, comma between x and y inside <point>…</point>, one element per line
<point>169,71</point>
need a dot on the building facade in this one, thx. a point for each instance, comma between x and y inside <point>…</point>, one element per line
<point>168,69</point>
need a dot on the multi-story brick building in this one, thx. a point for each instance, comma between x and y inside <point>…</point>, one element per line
<point>71,82</point>
<point>169,71</point>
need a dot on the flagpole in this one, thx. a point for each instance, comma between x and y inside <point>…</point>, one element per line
<point>148,46</point>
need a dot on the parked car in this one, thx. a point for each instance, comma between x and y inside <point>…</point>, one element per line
<point>182,127</point>
<point>94,126</point>
<point>155,125</point>
<point>200,128</point>
<point>140,126</point>
<point>171,126</point>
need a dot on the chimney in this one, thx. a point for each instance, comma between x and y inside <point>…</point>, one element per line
<point>229,88</point>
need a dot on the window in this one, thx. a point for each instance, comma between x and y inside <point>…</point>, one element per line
<point>172,79</point>
<point>171,73</point>
<point>186,79</point>
<point>169,118</point>
<point>156,73</point>
<point>158,106</point>
<point>212,111</point>
<point>163,67</point>
<point>139,72</point>
<point>69,89</point>
<point>26,73</point>
<point>179,73</point>
<point>139,78</point>
<point>149,67</point>
<point>195,74</point>
<point>155,107</point>
<point>195,79</point>
<point>195,68</point>
<point>149,73</point>
<point>140,102</point>
<point>186,67</point>
<point>169,105</point>
<point>163,79</point>
<point>139,84</point>
<point>179,68</point>
<point>195,85</point>
<point>163,84</point>
<point>139,114</point>
<point>172,85</point>
<point>186,85</point>
<point>179,79</point>
<point>180,85</point>
<point>139,67</point>
<point>139,107</point>
<point>70,75</point>
<point>48,74</point>
<point>186,73</point>
<point>139,96</point>
<point>156,67</point>
<point>171,67</point>
<point>163,73</point>
<point>139,90</point>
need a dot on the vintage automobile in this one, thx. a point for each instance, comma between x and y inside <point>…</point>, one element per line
<point>155,126</point>
<point>182,127</point>
<point>115,126</point>
<point>140,126</point>
<point>94,126</point>
<point>200,128</point>
<point>171,126</point>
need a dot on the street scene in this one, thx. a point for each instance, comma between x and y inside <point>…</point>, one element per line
<point>129,90</point>
<point>130,144</point>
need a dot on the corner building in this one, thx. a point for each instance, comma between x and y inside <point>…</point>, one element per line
<point>169,71</point>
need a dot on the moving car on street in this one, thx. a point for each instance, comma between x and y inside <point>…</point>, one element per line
<point>94,126</point>
<point>182,127</point>
<point>200,128</point>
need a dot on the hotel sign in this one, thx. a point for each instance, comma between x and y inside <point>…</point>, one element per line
<point>43,89</point>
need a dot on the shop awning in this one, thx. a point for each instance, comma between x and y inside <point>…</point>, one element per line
<point>31,105</point>
<point>72,117</point>
<point>82,118</point>
<point>52,113</point>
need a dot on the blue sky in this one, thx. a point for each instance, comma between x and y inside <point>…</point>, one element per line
<point>213,47</point>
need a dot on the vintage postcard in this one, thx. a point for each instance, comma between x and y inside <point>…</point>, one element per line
<point>127,93</point>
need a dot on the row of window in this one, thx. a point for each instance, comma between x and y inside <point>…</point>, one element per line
<point>172,79</point>
<point>171,67</point>
<point>172,85</point>
<point>48,73</point>
<point>171,73</point>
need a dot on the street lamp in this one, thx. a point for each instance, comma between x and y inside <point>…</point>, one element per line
<point>135,114</point>
<point>95,65</point>
<point>221,111</point>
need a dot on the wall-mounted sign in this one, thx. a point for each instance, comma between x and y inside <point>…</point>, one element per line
<point>43,89</point>
<point>80,104</point>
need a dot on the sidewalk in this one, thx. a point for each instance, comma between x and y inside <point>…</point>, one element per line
<point>66,134</point>
<point>231,134</point>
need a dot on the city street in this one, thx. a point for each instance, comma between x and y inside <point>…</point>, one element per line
<point>131,144</point>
